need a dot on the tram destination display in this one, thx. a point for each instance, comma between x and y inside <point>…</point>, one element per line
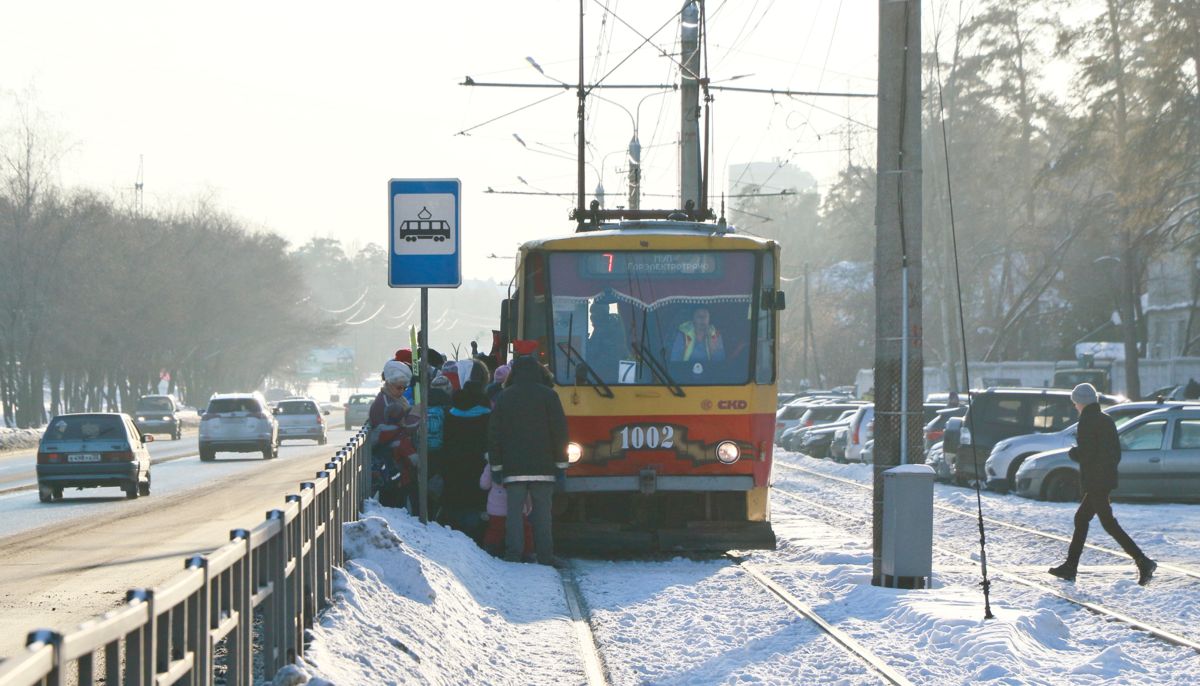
<point>652,264</point>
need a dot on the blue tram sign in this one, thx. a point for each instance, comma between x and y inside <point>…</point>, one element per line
<point>423,233</point>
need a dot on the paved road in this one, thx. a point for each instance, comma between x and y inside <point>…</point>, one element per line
<point>66,562</point>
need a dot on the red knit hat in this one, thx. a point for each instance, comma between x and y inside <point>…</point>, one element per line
<point>524,347</point>
<point>404,355</point>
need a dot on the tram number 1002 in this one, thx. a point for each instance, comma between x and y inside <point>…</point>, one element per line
<point>647,437</point>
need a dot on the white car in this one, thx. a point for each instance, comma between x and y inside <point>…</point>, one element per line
<point>301,419</point>
<point>239,423</point>
<point>861,430</point>
<point>1008,455</point>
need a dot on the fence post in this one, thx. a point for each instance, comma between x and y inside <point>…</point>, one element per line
<point>295,584</point>
<point>275,635</point>
<point>139,667</point>
<point>197,636</point>
<point>56,677</point>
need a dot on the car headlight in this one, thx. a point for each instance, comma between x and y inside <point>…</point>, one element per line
<point>166,419</point>
<point>728,452</point>
<point>574,452</point>
<point>141,419</point>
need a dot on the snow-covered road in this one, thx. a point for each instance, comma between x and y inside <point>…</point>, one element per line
<point>462,617</point>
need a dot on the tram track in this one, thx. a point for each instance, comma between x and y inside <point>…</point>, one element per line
<point>1162,566</point>
<point>841,638</point>
<point>595,667</point>
<point>1158,632</point>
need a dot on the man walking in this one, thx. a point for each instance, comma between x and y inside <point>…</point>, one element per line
<point>527,447</point>
<point>1097,450</point>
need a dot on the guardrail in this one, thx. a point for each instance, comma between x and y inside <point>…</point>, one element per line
<point>281,570</point>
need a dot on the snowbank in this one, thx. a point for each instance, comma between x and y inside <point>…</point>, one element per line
<point>19,439</point>
<point>423,604</point>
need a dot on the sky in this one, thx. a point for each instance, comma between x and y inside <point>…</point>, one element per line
<point>293,116</point>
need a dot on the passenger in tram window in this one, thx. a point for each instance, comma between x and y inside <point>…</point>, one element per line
<point>698,340</point>
<point>606,345</point>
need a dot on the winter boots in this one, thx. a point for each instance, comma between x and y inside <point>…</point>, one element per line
<point>1146,568</point>
<point>1065,571</point>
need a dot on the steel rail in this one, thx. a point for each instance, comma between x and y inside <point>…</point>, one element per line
<point>835,634</point>
<point>593,663</point>
<point>1096,608</point>
<point>1167,566</point>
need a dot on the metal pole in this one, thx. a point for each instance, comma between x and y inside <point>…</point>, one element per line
<point>423,401</point>
<point>898,359</point>
<point>581,134</point>
<point>689,128</point>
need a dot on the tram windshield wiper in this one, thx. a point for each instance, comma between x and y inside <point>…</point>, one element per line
<point>658,369</point>
<point>584,372</point>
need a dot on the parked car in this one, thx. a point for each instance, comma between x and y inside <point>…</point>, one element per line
<point>782,399</point>
<point>92,450</point>
<point>816,441</point>
<point>837,449</point>
<point>936,459</point>
<point>238,423</point>
<point>826,413</point>
<point>1000,413</point>
<point>301,419</point>
<point>1007,455</point>
<point>358,407</point>
<point>158,414</point>
<point>789,415</point>
<point>860,430</point>
<point>867,455</point>
<point>1160,459</point>
<point>935,427</point>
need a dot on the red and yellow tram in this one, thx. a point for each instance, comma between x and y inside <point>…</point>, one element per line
<point>662,337</point>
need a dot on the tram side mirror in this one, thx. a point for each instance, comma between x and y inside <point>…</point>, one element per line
<point>508,318</point>
<point>774,300</point>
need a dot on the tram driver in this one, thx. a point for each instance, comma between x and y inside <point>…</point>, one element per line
<point>606,344</point>
<point>698,340</point>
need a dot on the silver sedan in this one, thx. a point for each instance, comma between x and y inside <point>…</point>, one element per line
<point>1160,459</point>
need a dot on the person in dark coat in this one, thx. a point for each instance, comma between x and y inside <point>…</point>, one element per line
<point>1097,450</point>
<point>466,442</point>
<point>527,449</point>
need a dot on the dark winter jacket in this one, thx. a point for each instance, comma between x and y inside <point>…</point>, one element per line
<point>527,436</point>
<point>463,457</point>
<point>1097,450</point>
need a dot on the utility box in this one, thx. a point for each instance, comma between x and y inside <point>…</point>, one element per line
<point>907,559</point>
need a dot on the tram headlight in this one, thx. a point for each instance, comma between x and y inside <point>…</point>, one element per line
<point>574,452</point>
<point>728,452</point>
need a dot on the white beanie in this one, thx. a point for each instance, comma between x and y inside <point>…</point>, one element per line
<point>1084,394</point>
<point>396,372</point>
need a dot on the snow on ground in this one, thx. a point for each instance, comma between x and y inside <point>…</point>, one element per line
<point>422,604</point>
<point>18,439</point>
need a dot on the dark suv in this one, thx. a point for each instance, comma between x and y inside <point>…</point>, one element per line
<point>158,414</point>
<point>1000,413</point>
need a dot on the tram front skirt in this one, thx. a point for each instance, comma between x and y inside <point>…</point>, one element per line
<point>608,524</point>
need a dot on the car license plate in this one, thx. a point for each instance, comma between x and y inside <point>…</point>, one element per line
<point>84,457</point>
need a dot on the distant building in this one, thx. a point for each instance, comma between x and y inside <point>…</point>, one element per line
<point>769,177</point>
<point>1172,324</point>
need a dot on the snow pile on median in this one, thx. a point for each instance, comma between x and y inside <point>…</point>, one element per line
<point>19,439</point>
<point>423,604</point>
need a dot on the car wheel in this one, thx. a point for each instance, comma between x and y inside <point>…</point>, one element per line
<point>1062,487</point>
<point>178,434</point>
<point>322,440</point>
<point>347,426</point>
<point>57,493</point>
<point>206,455</point>
<point>144,488</point>
<point>271,452</point>
<point>961,480</point>
<point>132,491</point>
<point>45,493</point>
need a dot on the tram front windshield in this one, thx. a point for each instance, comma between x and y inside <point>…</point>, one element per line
<point>637,317</point>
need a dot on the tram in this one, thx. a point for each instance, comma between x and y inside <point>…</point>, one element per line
<point>661,337</point>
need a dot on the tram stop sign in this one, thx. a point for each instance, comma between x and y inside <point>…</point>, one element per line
<point>424,239</point>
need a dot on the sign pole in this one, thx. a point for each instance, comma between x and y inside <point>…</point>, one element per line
<point>422,399</point>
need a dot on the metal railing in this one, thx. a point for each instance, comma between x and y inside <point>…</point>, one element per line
<point>281,570</point>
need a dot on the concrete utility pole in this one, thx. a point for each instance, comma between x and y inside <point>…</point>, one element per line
<point>898,360</point>
<point>689,127</point>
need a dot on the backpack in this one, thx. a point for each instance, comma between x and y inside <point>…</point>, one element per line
<point>436,422</point>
